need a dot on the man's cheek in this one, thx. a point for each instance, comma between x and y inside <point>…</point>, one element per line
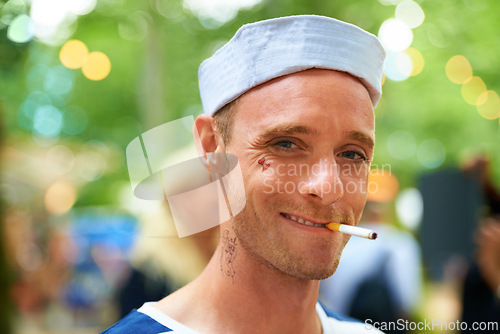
<point>268,185</point>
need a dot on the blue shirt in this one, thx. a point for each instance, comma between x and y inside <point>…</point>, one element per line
<point>150,320</point>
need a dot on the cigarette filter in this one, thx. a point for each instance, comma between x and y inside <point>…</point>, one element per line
<point>352,230</point>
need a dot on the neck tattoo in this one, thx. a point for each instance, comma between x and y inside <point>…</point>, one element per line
<point>228,254</point>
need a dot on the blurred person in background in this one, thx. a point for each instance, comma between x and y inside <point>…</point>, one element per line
<point>379,281</point>
<point>481,289</point>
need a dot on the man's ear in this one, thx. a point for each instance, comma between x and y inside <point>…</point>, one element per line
<point>206,135</point>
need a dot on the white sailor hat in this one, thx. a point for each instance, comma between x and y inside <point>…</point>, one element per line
<point>268,49</point>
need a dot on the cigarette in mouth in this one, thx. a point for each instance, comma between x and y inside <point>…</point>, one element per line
<point>352,230</point>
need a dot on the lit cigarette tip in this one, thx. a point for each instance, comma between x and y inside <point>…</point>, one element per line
<point>333,226</point>
<point>352,230</point>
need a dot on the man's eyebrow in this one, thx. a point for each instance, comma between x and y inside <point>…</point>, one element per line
<point>288,130</point>
<point>361,137</point>
<point>301,129</point>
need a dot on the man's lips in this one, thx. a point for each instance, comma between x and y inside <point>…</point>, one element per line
<point>304,221</point>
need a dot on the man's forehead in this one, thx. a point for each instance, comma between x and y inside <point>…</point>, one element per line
<point>305,77</point>
<point>299,93</point>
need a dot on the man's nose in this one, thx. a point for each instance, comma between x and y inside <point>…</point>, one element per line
<point>323,182</point>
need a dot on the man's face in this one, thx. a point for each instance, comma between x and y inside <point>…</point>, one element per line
<point>315,129</point>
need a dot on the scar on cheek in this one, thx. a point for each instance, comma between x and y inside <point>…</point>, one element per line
<point>265,165</point>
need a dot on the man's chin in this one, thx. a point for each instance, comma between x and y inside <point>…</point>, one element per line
<point>318,275</point>
<point>308,271</point>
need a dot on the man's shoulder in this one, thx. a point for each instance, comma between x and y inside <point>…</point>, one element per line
<point>137,322</point>
<point>338,323</point>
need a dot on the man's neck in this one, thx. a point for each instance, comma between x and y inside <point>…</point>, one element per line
<point>249,297</point>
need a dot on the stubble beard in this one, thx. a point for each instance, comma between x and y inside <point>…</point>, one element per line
<point>266,243</point>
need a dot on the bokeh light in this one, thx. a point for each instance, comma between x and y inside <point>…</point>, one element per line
<point>472,90</point>
<point>395,35</point>
<point>27,110</point>
<point>410,13</point>
<point>97,66</point>
<point>81,7</point>
<point>431,153</point>
<point>401,144</point>
<point>404,64</point>
<point>47,121</point>
<point>489,105</point>
<point>48,13</point>
<point>36,76</point>
<point>410,208</point>
<point>58,80</point>
<point>417,61</point>
<point>74,54</point>
<point>38,98</point>
<point>398,66</point>
<point>21,29</point>
<point>382,186</point>
<point>458,69</point>
<point>11,7</point>
<point>52,18</point>
<point>60,197</point>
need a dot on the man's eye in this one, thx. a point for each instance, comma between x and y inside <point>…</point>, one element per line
<point>353,155</point>
<point>286,144</point>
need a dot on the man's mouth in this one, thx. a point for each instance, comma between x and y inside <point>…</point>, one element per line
<point>301,220</point>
